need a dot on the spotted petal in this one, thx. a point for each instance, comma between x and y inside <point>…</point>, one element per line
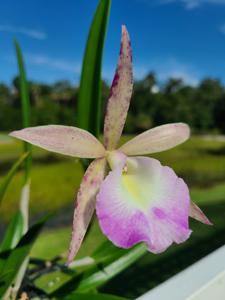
<point>158,139</point>
<point>120,95</point>
<point>62,139</point>
<point>144,202</point>
<point>85,203</point>
<point>197,214</point>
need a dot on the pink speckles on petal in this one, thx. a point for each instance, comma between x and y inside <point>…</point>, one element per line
<point>159,213</point>
<point>65,140</point>
<point>114,84</point>
<point>149,203</point>
<point>85,203</point>
<point>157,139</point>
<point>120,94</point>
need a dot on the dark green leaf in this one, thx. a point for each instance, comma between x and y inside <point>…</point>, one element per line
<point>14,233</point>
<point>105,254</point>
<point>55,280</point>
<point>8,177</point>
<point>51,281</point>
<point>76,296</point>
<point>101,273</point>
<point>89,101</point>
<point>106,249</point>
<point>112,269</point>
<point>15,258</point>
<point>24,94</point>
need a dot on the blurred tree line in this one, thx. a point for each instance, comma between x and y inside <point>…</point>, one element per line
<point>202,106</point>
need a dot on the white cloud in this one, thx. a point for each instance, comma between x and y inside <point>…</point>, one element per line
<point>222,28</point>
<point>175,69</point>
<point>190,4</point>
<point>163,69</point>
<point>171,67</point>
<point>140,71</point>
<point>32,33</point>
<point>53,63</point>
<point>186,75</point>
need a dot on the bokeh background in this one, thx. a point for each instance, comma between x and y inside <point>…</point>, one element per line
<point>179,63</point>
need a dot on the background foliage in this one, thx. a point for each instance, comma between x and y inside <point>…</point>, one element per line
<point>153,103</point>
<point>99,267</point>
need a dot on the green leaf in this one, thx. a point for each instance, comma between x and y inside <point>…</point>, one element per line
<point>54,280</point>
<point>24,94</point>
<point>112,269</point>
<point>12,236</point>
<point>51,281</point>
<point>104,254</point>
<point>13,233</point>
<point>16,257</point>
<point>101,273</point>
<point>76,296</point>
<point>89,100</point>
<point>106,249</point>
<point>8,177</point>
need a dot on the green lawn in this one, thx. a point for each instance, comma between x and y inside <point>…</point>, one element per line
<point>60,238</point>
<point>55,180</point>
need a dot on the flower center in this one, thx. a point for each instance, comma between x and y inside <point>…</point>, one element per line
<point>116,159</point>
<point>134,185</point>
<point>136,189</point>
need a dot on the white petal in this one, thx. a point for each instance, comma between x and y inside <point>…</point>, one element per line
<point>62,139</point>
<point>158,139</point>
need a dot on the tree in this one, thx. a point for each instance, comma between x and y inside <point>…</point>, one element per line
<point>208,94</point>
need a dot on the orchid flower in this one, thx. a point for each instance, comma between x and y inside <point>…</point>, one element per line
<point>139,200</point>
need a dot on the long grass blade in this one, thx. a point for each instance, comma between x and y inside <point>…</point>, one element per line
<point>101,273</point>
<point>25,193</point>
<point>13,233</point>
<point>8,177</point>
<point>25,101</point>
<point>109,271</point>
<point>89,100</point>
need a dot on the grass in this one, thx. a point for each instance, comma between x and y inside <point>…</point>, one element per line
<point>55,181</point>
<point>200,162</point>
<point>55,178</point>
<point>59,243</point>
<point>210,195</point>
<point>10,149</point>
<point>53,187</point>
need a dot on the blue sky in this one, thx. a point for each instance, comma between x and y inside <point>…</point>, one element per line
<point>179,38</point>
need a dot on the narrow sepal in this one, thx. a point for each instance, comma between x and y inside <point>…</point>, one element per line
<point>85,204</point>
<point>120,95</point>
<point>196,213</point>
